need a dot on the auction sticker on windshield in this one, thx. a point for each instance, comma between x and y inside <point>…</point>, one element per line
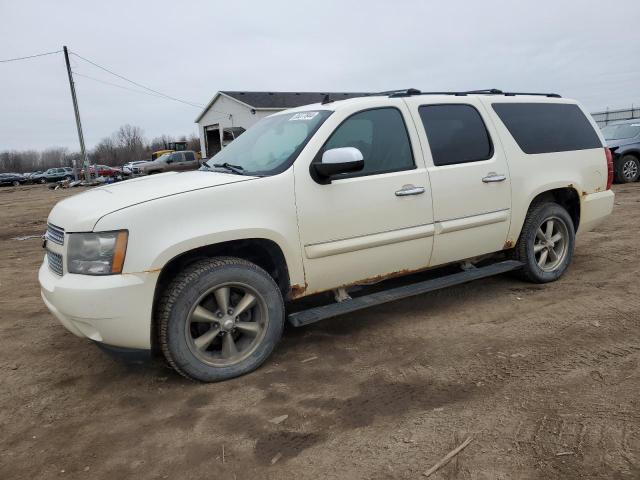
<point>303,116</point>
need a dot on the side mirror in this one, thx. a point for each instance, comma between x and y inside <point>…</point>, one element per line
<point>335,161</point>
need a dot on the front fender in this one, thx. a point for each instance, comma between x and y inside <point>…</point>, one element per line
<point>164,228</point>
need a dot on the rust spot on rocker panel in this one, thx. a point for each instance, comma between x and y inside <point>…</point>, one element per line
<point>508,244</point>
<point>298,291</point>
<point>365,281</point>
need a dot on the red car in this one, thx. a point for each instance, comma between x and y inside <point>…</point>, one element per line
<point>103,171</point>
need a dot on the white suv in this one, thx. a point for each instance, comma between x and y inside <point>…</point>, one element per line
<point>205,266</point>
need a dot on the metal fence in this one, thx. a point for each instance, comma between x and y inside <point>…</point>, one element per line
<point>608,116</point>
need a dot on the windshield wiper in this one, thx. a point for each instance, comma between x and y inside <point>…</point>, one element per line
<point>233,168</point>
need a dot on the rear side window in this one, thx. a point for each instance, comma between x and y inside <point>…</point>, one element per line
<point>456,134</point>
<point>380,135</point>
<point>547,127</point>
<point>190,156</point>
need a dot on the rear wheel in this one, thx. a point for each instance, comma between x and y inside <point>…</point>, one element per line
<point>16,183</point>
<point>546,243</point>
<point>627,169</point>
<point>219,319</point>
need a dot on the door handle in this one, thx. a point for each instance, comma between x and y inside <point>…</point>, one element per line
<point>493,177</point>
<point>409,190</point>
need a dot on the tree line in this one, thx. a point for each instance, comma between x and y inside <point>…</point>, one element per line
<point>126,144</point>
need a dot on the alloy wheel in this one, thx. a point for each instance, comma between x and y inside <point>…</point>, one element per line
<point>226,324</point>
<point>630,169</point>
<point>550,246</point>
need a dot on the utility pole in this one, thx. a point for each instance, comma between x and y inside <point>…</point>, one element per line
<point>85,159</point>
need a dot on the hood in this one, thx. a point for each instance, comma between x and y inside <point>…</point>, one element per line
<point>80,212</point>
<point>621,142</point>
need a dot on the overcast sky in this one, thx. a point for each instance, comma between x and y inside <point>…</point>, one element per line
<point>588,50</point>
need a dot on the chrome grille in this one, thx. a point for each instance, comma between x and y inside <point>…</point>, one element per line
<point>55,262</point>
<point>55,234</point>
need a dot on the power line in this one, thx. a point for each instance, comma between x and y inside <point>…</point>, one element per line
<point>136,83</point>
<point>29,56</point>
<point>116,85</point>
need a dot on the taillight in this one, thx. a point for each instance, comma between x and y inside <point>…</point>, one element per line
<point>609,167</point>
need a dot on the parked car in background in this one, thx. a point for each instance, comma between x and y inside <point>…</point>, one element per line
<point>169,162</point>
<point>322,198</point>
<point>104,171</point>
<point>127,168</point>
<point>53,175</point>
<point>14,179</point>
<point>623,138</point>
<point>31,175</point>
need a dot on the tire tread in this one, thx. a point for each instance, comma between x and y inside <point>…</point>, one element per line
<point>520,250</point>
<point>179,284</point>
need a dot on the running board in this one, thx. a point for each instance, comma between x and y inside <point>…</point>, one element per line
<point>312,315</point>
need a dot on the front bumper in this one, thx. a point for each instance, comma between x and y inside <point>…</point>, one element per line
<point>113,309</point>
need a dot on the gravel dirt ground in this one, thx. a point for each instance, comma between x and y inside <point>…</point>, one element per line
<point>544,377</point>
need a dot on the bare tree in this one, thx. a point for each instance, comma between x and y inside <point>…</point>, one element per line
<point>54,157</point>
<point>193,142</point>
<point>161,142</point>
<point>105,152</point>
<point>131,142</point>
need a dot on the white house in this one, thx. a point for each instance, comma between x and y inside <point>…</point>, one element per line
<point>230,113</point>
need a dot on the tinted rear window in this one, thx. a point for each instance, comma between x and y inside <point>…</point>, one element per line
<point>547,127</point>
<point>456,134</point>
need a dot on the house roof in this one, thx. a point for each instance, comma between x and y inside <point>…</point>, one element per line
<point>287,99</point>
<point>279,100</point>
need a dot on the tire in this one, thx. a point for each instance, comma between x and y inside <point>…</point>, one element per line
<point>15,183</point>
<point>200,341</point>
<point>627,169</point>
<point>68,178</point>
<point>42,180</point>
<point>531,247</point>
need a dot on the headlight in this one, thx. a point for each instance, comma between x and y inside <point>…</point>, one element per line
<point>97,253</point>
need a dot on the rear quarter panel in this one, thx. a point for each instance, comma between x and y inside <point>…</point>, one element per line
<point>585,171</point>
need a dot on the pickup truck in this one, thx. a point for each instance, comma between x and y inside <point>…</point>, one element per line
<point>169,162</point>
<point>319,202</point>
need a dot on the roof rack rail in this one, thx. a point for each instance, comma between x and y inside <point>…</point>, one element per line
<point>513,94</point>
<point>407,92</point>
<point>489,91</point>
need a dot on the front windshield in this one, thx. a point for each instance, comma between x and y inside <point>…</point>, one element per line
<point>272,144</point>
<point>621,131</point>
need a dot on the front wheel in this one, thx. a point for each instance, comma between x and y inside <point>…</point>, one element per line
<point>15,183</point>
<point>546,243</point>
<point>220,318</point>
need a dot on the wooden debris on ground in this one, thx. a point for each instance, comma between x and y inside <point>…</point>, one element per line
<point>447,458</point>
